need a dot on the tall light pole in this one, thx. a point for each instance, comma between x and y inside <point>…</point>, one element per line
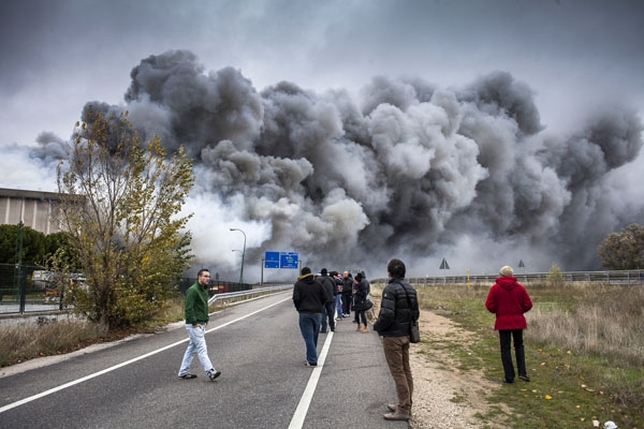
<point>241,270</point>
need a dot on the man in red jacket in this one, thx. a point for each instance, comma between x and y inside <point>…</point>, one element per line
<point>509,300</point>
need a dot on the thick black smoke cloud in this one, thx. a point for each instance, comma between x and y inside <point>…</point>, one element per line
<point>401,169</point>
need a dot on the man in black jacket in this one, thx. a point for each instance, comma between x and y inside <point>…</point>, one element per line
<point>328,283</point>
<point>347,294</point>
<point>309,298</point>
<point>398,309</point>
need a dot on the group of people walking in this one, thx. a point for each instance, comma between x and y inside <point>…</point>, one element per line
<point>343,295</point>
<point>324,299</point>
<point>314,300</point>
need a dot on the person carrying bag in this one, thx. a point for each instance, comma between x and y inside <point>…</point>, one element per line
<point>399,312</point>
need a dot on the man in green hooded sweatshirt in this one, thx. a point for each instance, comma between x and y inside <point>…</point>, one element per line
<point>196,314</point>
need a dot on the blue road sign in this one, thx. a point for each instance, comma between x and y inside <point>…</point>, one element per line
<point>272,260</point>
<point>289,260</point>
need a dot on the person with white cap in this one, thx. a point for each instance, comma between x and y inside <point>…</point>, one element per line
<point>610,425</point>
<point>509,300</point>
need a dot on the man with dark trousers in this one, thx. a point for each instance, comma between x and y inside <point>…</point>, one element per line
<point>509,300</point>
<point>328,283</point>
<point>347,294</point>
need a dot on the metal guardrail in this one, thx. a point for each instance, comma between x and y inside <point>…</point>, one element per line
<point>13,308</point>
<point>609,277</point>
<point>247,293</point>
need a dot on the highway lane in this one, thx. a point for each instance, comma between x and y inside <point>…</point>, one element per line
<point>258,348</point>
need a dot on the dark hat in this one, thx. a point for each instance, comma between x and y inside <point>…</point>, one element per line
<point>358,276</point>
<point>323,272</point>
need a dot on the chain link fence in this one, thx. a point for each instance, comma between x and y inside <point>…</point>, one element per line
<point>21,291</point>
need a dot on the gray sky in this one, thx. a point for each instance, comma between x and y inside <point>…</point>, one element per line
<point>59,54</point>
<point>562,61</point>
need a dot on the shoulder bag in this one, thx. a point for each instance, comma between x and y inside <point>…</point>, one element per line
<point>414,330</point>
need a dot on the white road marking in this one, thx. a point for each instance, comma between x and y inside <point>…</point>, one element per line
<point>121,365</point>
<point>303,407</point>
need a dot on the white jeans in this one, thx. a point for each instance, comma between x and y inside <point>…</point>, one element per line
<point>196,345</point>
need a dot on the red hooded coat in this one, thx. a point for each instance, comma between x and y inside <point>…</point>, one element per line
<point>508,299</point>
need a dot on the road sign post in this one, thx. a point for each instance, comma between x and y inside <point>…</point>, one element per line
<point>444,266</point>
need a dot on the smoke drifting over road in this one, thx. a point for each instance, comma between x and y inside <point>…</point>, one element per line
<point>401,169</point>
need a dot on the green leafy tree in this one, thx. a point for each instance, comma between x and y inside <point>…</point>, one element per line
<point>33,245</point>
<point>121,200</point>
<point>623,250</point>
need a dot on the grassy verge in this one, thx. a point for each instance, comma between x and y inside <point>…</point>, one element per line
<point>29,340</point>
<point>583,351</point>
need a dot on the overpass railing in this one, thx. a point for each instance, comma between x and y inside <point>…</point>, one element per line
<point>246,294</point>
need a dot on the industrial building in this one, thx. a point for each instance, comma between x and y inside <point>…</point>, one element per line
<point>34,208</point>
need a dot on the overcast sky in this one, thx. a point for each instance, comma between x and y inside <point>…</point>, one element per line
<point>563,178</point>
<point>59,54</point>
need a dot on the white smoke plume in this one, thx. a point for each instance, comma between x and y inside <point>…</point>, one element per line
<point>402,169</point>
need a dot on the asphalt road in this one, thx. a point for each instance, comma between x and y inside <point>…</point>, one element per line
<point>264,383</point>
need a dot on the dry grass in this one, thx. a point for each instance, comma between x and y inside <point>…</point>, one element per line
<point>28,340</point>
<point>603,326</point>
<point>605,321</point>
<point>48,337</point>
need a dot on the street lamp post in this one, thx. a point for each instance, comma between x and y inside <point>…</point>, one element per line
<point>241,270</point>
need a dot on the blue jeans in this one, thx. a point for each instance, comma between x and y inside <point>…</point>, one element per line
<point>310,328</point>
<point>196,345</point>
<point>338,305</point>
